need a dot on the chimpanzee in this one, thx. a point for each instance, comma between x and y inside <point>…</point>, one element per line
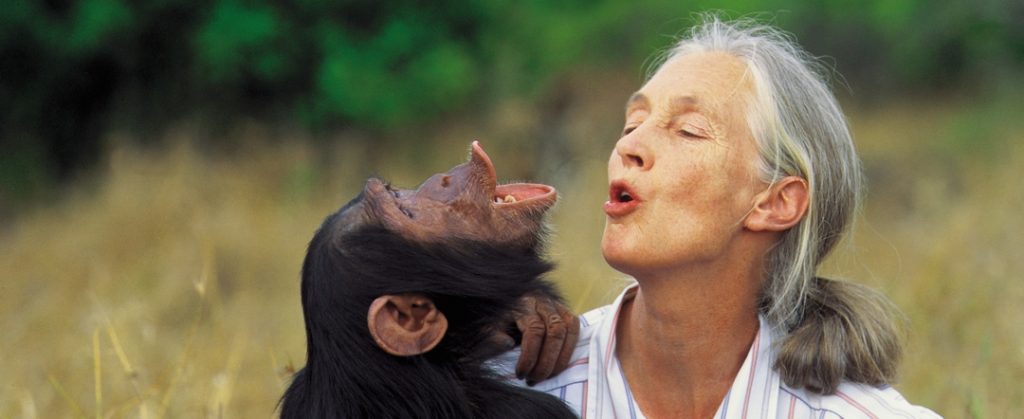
<point>404,291</point>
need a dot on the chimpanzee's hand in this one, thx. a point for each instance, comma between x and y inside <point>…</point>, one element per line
<point>549,333</point>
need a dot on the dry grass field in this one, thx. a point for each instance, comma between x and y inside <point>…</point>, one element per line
<point>166,285</point>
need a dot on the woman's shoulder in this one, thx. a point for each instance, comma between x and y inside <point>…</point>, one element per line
<point>851,400</point>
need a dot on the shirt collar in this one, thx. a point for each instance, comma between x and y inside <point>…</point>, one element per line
<point>754,392</point>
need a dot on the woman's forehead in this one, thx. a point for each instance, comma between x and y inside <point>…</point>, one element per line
<point>704,80</point>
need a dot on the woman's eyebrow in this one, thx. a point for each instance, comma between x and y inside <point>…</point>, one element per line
<point>637,100</point>
<point>676,104</point>
<point>683,102</point>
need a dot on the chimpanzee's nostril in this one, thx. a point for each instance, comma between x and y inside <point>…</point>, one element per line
<point>445,181</point>
<point>636,159</point>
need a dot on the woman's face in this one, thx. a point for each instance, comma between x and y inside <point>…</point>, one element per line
<point>684,174</point>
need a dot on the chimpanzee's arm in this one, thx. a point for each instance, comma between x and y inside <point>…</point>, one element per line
<point>549,333</point>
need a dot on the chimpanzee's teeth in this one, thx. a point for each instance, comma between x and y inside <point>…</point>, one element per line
<point>625,197</point>
<point>508,199</point>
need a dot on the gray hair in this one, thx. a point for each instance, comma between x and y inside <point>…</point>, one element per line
<point>834,330</point>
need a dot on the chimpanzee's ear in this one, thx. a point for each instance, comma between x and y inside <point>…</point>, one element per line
<point>406,324</point>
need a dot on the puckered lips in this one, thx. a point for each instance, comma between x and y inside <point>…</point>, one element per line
<point>622,200</point>
<point>513,195</point>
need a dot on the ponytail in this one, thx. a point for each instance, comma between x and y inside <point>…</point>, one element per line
<point>847,332</point>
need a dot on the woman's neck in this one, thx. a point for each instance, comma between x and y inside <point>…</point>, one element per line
<point>683,337</point>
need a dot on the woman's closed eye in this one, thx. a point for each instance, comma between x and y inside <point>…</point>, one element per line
<point>693,132</point>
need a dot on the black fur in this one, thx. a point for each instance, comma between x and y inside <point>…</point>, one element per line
<point>476,285</point>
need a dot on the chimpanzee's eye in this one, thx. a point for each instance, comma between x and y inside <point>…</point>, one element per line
<point>394,192</point>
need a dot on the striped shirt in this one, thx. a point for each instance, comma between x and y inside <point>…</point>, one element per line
<point>595,386</point>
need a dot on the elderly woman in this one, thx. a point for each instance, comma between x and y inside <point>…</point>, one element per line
<point>734,177</point>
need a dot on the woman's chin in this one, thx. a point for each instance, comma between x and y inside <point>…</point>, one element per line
<point>618,256</point>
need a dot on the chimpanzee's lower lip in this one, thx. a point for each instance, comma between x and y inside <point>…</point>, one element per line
<point>525,194</point>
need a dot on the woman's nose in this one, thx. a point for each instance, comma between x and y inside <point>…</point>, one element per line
<point>633,151</point>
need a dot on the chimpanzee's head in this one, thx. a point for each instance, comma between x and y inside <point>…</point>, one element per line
<point>458,249</point>
<point>464,203</point>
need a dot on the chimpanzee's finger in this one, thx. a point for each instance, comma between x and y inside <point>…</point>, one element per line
<point>569,344</point>
<point>555,332</point>
<point>502,342</point>
<point>532,327</point>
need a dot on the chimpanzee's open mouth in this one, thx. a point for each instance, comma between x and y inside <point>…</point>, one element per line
<point>515,193</point>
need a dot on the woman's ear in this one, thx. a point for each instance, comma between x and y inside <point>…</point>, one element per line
<point>405,324</point>
<point>779,207</point>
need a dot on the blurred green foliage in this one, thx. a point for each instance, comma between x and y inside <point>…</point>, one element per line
<point>71,70</point>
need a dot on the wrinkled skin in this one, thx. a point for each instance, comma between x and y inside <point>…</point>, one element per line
<point>549,333</point>
<point>467,203</point>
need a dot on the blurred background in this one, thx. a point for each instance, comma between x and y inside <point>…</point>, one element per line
<point>164,162</point>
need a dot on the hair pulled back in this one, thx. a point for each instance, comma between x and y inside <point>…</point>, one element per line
<point>834,330</point>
